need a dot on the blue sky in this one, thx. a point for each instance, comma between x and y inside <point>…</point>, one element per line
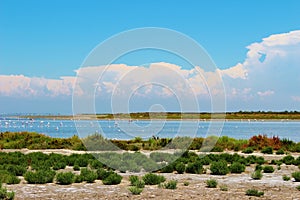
<point>51,39</point>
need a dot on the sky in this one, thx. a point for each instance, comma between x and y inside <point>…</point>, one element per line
<point>46,45</point>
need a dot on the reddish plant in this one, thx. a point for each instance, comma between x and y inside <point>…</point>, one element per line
<point>261,141</point>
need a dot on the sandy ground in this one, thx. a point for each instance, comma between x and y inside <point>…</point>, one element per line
<point>272,185</point>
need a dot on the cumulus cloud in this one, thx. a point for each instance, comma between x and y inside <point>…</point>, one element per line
<point>22,86</point>
<point>270,65</point>
<point>271,68</point>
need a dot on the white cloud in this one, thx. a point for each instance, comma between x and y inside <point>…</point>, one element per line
<point>22,86</point>
<point>265,93</point>
<point>270,65</point>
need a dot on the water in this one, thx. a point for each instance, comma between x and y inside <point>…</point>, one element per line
<point>124,129</point>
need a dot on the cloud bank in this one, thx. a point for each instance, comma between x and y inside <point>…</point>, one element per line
<point>268,78</point>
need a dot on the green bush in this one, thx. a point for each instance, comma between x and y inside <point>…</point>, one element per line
<point>65,178</point>
<point>296,176</point>
<point>170,185</point>
<point>78,179</point>
<point>258,167</point>
<point>180,168</point>
<point>102,173</point>
<point>257,175</point>
<point>135,190</point>
<point>280,152</point>
<point>76,168</point>
<point>237,168</point>
<point>253,192</point>
<point>219,168</point>
<point>153,179</point>
<point>248,150</point>
<point>267,150</point>
<point>133,179</point>
<point>288,160</point>
<point>5,195</point>
<point>268,169</point>
<point>286,178</point>
<point>167,169</point>
<point>59,165</point>
<point>88,175</point>
<point>112,179</point>
<point>13,180</point>
<point>298,187</point>
<point>194,167</point>
<point>211,183</point>
<point>39,177</point>
<point>95,164</point>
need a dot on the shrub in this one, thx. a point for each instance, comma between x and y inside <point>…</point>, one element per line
<point>286,178</point>
<point>194,168</point>
<point>280,152</point>
<point>135,190</point>
<point>102,173</point>
<point>135,181</point>
<point>88,175</point>
<point>95,164</point>
<point>223,187</point>
<point>211,183</point>
<point>153,179</point>
<point>76,168</point>
<point>78,179</point>
<point>237,167</point>
<point>268,169</point>
<point>296,176</point>
<point>4,194</point>
<point>257,175</point>
<point>39,177</point>
<point>186,183</point>
<point>167,169</point>
<point>65,178</point>
<point>298,187</point>
<point>248,150</point>
<point>112,179</point>
<point>253,192</point>
<point>170,185</point>
<point>219,168</point>
<point>288,160</point>
<point>59,165</point>
<point>180,168</point>
<point>267,150</point>
<point>258,167</point>
<point>82,161</point>
<point>13,180</point>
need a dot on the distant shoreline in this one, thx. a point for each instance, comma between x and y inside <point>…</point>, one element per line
<point>230,116</point>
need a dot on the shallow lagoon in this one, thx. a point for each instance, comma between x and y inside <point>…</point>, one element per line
<point>124,129</point>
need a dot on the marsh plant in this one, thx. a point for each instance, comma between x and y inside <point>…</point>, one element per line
<point>296,176</point>
<point>153,179</point>
<point>211,183</point>
<point>4,194</point>
<point>286,178</point>
<point>257,175</point>
<point>254,192</point>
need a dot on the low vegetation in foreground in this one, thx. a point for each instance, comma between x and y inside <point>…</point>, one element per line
<point>108,167</point>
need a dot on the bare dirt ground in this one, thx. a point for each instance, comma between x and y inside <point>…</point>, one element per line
<point>272,185</point>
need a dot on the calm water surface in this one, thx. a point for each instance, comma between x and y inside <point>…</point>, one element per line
<point>125,129</point>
